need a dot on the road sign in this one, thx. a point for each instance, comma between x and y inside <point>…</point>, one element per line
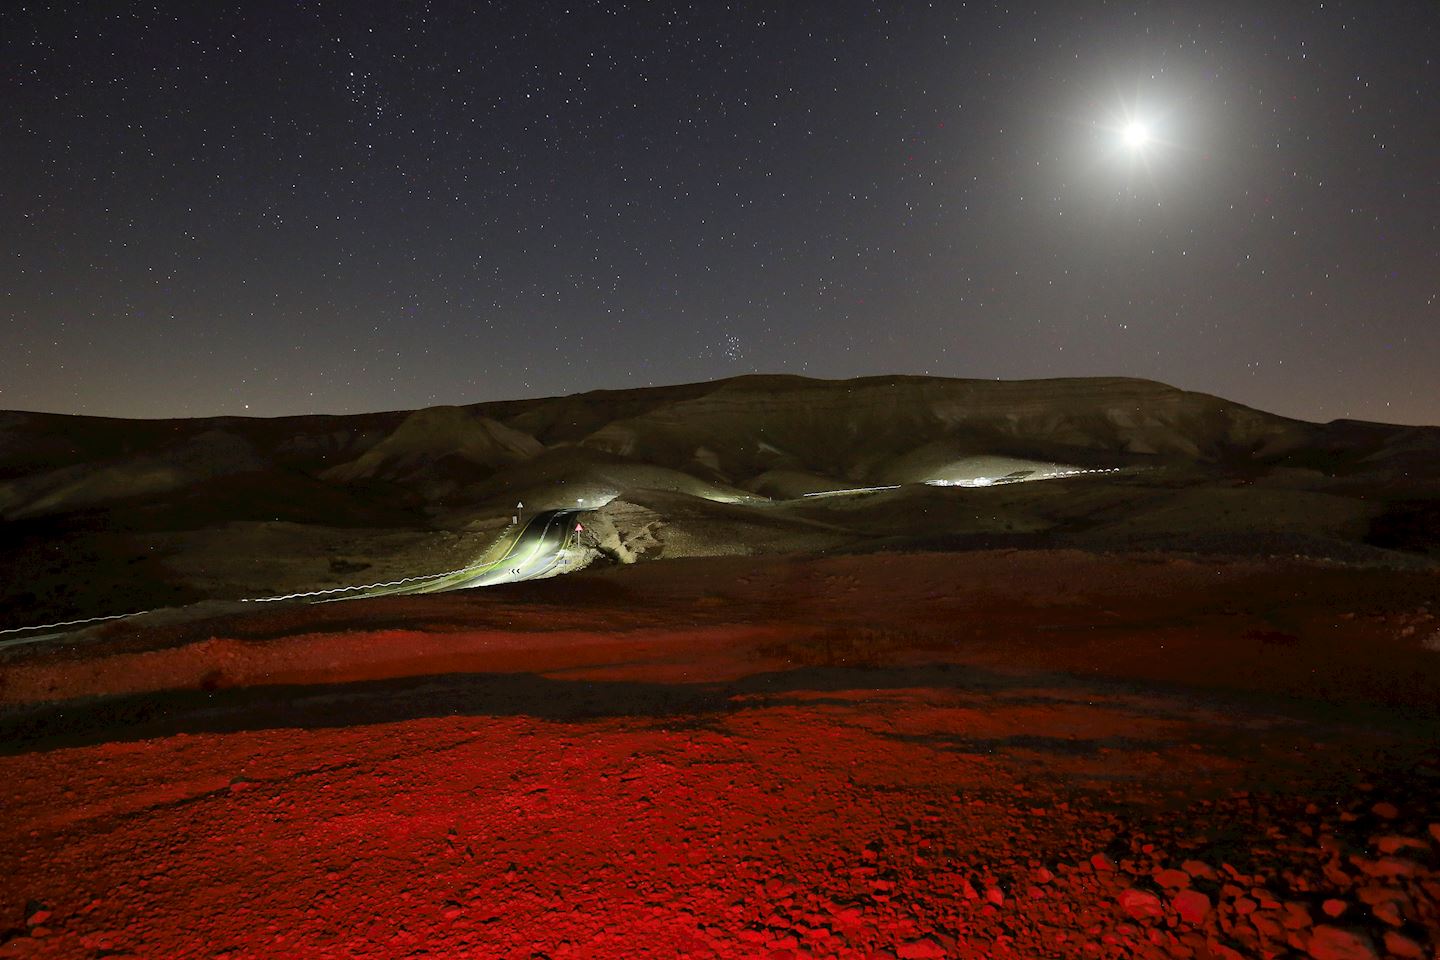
<point>520,506</point>
<point>578,528</point>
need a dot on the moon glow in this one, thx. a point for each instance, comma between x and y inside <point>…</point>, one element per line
<point>1135,135</point>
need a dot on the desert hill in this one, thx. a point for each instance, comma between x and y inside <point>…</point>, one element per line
<point>730,432</point>
<point>227,506</point>
<point>855,429</point>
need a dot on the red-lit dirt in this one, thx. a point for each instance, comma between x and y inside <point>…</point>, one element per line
<point>984,755</point>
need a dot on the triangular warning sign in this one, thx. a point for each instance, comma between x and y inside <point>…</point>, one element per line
<point>578,528</point>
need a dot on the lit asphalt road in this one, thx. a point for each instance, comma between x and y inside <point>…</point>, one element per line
<point>533,552</point>
<point>536,549</point>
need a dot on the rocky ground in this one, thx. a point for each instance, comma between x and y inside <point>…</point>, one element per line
<point>983,755</point>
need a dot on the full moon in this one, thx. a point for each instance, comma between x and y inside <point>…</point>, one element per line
<point>1135,135</point>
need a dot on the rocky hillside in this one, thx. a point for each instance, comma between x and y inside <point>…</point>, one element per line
<point>729,435</point>
<point>105,514</point>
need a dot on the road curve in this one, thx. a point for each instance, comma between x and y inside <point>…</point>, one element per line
<point>535,550</point>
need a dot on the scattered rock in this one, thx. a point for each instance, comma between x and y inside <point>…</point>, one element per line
<point>1297,916</point>
<point>1334,943</point>
<point>1192,905</point>
<point>926,948</point>
<point>1394,844</point>
<point>1387,867</point>
<point>1198,869</point>
<point>1399,945</point>
<point>1140,904</point>
<point>1171,879</point>
<point>1387,904</point>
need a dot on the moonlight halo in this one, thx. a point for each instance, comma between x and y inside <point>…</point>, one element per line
<point>1135,135</point>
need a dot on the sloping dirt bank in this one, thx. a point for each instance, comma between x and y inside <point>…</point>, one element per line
<point>1004,755</point>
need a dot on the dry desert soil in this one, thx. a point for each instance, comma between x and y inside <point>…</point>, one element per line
<point>988,754</point>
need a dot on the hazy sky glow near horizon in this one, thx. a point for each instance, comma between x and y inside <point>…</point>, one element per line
<point>289,207</point>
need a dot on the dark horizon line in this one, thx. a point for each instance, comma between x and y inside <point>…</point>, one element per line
<point>753,375</point>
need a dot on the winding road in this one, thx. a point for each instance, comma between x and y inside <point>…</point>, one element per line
<point>536,549</point>
<point>533,551</point>
<point>530,552</point>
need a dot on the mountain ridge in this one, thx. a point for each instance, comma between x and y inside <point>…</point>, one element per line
<point>730,432</point>
<point>105,513</point>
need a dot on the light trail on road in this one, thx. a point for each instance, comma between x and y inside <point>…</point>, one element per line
<point>472,575</point>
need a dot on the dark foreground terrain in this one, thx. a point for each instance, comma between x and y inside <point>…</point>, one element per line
<point>990,754</point>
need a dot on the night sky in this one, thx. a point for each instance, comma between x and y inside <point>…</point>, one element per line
<point>293,207</point>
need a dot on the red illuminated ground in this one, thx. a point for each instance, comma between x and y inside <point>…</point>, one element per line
<point>1014,755</point>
